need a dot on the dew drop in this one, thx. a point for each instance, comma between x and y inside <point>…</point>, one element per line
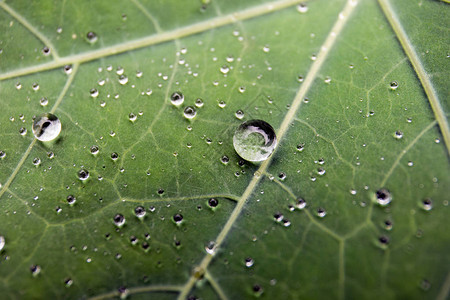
<point>35,86</point>
<point>91,37</point>
<point>393,85</point>
<point>282,176</point>
<point>132,117</point>
<point>178,218</point>
<point>213,202</point>
<point>239,114</point>
<point>123,79</point>
<point>140,212</point>
<point>43,101</point>
<point>321,212</point>
<point>321,171</point>
<point>222,104</point>
<point>300,78</point>
<point>211,248</point>
<point>398,134</point>
<point>278,217</point>
<point>83,174</point>
<point>18,85</point>
<point>388,225</point>
<point>300,147</point>
<point>68,282</point>
<point>384,241</point>
<point>2,242</point>
<point>199,102</point>
<point>427,204</point>
<point>36,161</point>
<point>119,220</point>
<point>71,200</point>
<point>224,69</point>
<point>241,89</point>
<point>35,270</point>
<point>301,203</point>
<point>189,112</point>
<point>249,262</point>
<point>68,69</point>
<point>225,159</point>
<point>302,8</point>
<point>383,197</point>
<point>177,98</point>
<point>46,127</point>
<point>94,93</point>
<point>114,156</point>
<point>94,149</point>
<point>2,154</point>
<point>257,290</point>
<point>254,140</point>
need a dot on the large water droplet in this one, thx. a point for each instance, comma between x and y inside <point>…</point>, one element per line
<point>119,220</point>
<point>46,127</point>
<point>140,212</point>
<point>177,98</point>
<point>254,140</point>
<point>83,174</point>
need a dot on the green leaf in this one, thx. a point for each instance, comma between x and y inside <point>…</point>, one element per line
<point>356,91</point>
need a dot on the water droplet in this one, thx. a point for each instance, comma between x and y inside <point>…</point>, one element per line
<point>257,290</point>
<point>58,209</point>
<point>2,154</point>
<point>46,51</point>
<point>114,156</point>
<point>139,74</point>
<point>278,217</point>
<point>301,203</point>
<point>302,8</point>
<point>210,248</point>
<point>133,240</point>
<point>410,164</point>
<point>43,101</point>
<point>313,57</point>
<point>241,89</point>
<point>178,218</point>
<point>36,161</point>
<point>213,202</point>
<point>249,262</point>
<point>321,212</point>
<point>91,37</point>
<point>393,85</point>
<point>189,112</point>
<point>383,197</point>
<point>327,79</point>
<point>35,270</point>
<point>222,104</point>
<point>119,220</point>
<point>239,114</point>
<point>254,140</point>
<point>46,127</point>
<point>300,147</point>
<point>35,86</point>
<point>2,242</point>
<point>140,212</point>
<point>71,200</point>
<point>427,204</point>
<point>132,117</point>
<point>199,102</point>
<point>398,134</point>
<point>83,174</point>
<point>123,79</point>
<point>224,69</point>
<point>68,282</point>
<point>388,225</point>
<point>225,159</point>
<point>282,176</point>
<point>384,241</point>
<point>68,69</point>
<point>18,85</point>
<point>177,98</point>
<point>321,171</point>
<point>300,78</point>
<point>94,149</point>
<point>94,93</point>
<point>123,292</point>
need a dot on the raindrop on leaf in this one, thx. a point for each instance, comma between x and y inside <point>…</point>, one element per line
<point>254,140</point>
<point>46,127</point>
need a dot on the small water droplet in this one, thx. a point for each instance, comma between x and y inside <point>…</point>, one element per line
<point>91,37</point>
<point>83,174</point>
<point>132,117</point>
<point>94,149</point>
<point>321,171</point>
<point>239,114</point>
<point>18,85</point>
<point>257,290</point>
<point>35,86</point>
<point>241,89</point>
<point>2,242</point>
<point>224,69</point>
<point>383,197</point>
<point>427,204</point>
<point>301,203</point>
<point>393,85</point>
<point>213,202</point>
<point>43,101</point>
<point>282,176</point>
<point>35,270</point>
<point>68,69</point>
<point>94,93</point>
<point>199,102</point>
<point>46,127</point>
<point>388,225</point>
<point>123,79</point>
<point>177,98</point>
<point>36,161</point>
<point>300,147</point>
<point>46,51</point>
<point>189,112</point>
<point>384,241</point>
<point>71,200</point>
<point>300,78</point>
<point>254,140</point>
<point>222,104</point>
<point>114,156</point>
<point>119,220</point>
<point>278,217</point>
<point>225,159</point>
<point>302,8</point>
<point>2,154</point>
<point>249,262</point>
<point>398,134</point>
<point>266,48</point>
<point>68,282</point>
<point>321,212</point>
<point>140,212</point>
<point>178,218</point>
<point>211,248</point>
